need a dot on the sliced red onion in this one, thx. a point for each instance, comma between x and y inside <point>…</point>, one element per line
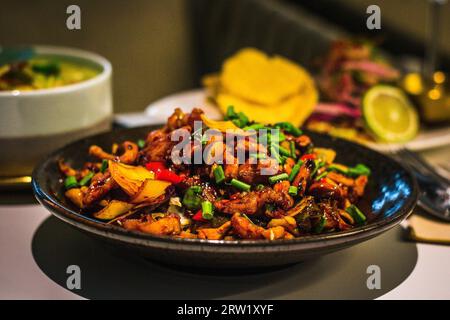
<point>337,109</point>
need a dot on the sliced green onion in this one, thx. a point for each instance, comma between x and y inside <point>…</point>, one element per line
<point>292,148</point>
<point>246,217</point>
<point>259,187</point>
<point>258,155</point>
<point>219,175</point>
<point>319,227</point>
<point>289,127</point>
<point>207,210</point>
<point>86,179</point>
<point>231,114</point>
<point>278,177</point>
<point>293,190</point>
<point>205,139</point>
<point>317,165</point>
<point>285,152</point>
<point>320,176</point>
<point>255,126</point>
<point>240,185</point>
<point>104,166</point>
<point>294,172</point>
<point>141,143</point>
<point>274,153</point>
<point>191,199</point>
<point>356,171</point>
<point>359,170</point>
<point>356,214</point>
<point>196,189</point>
<point>243,119</point>
<point>237,122</point>
<point>70,182</point>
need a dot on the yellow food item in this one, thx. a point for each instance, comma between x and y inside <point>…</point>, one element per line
<point>222,126</point>
<point>150,190</point>
<point>129,178</point>
<point>270,89</point>
<point>114,209</point>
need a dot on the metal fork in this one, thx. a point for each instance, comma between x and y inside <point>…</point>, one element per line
<point>434,188</point>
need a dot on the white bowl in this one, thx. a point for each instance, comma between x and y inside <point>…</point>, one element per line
<point>33,123</point>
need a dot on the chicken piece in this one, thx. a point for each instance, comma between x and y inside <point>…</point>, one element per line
<point>101,184</point>
<point>66,169</point>
<point>130,224</point>
<point>274,233</point>
<point>304,176</point>
<point>214,233</point>
<point>326,188</point>
<point>169,225</point>
<point>129,155</point>
<point>286,222</point>
<point>158,146</point>
<point>252,202</point>
<point>251,173</point>
<point>360,185</point>
<point>340,178</point>
<point>247,230</point>
<point>303,142</point>
<point>187,235</point>
<point>76,196</point>
<point>130,152</point>
<point>177,120</point>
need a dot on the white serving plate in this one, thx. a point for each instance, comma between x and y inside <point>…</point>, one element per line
<point>157,113</point>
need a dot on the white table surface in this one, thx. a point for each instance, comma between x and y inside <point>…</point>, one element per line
<point>21,278</point>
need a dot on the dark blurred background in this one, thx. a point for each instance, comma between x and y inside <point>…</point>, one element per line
<point>160,47</point>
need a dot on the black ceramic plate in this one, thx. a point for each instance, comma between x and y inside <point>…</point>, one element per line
<point>390,197</point>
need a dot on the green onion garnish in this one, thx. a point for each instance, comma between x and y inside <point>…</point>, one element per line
<point>191,199</point>
<point>141,143</point>
<point>292,148</point>
<point>278,177</point>
<point>255,126</point>
<point>207,210</point>
<point>294,172</point>
<point>289,127</point>
<point>317,165</point>
<point>359,170</point>
<point>319,227</point>
<point>285,152</point>
<point>293,190</point>
<point>240,185</point>
<point>356,214</point>
<point>70,182</point>
<point>219,175</point>
<point>86,179</point>
<point>258,155</point>
<point>320,176</point>
<point>259,187</point>
<point>231,114</point>
<point>274,153</point>
<point>104,166</point>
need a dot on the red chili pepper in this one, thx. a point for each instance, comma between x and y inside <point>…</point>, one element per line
<point>199,216</point>
<point>168,175</point>
<point>155,166</point>
<point>308,156</point>
<point>162,173</point>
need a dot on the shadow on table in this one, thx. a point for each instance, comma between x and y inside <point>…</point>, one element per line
<point>110,273</point>
<point>10,197</point>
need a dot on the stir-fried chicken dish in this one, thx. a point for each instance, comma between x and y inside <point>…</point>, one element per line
<point>269,182</point>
